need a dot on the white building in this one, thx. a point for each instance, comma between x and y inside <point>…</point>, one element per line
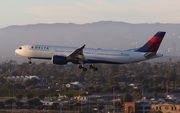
<point>20,78</point>
<point>75,84</point>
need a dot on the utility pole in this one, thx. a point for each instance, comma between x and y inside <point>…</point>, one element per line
<point>113,102</point>
<point>167,83</point>
<point>81,106</point>
<point>166,88</point>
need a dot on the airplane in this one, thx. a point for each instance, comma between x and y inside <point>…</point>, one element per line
<point>62,55</point>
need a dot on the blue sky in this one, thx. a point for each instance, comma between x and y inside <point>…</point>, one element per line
<point>22,12</point>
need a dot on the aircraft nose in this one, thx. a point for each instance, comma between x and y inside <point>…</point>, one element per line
<point>18,51</point>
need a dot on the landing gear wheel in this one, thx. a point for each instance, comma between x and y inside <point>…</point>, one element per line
<point>80,66</point>
<point>91,66</point>
<point>84,69</point>
<point>29,62</point>
<point>95,68</point>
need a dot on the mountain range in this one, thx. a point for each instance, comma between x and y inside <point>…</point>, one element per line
<point>102,34</point>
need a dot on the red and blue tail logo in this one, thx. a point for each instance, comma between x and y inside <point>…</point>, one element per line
<point>153,44</point>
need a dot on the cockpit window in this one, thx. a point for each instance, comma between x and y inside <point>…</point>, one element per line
<point>20,47</point>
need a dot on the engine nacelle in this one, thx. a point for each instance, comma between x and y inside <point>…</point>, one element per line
<point>60,60</point>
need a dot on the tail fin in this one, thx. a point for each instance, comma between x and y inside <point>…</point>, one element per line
<point>153,44</point>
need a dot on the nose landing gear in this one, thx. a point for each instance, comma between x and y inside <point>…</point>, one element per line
<point>29,62</point>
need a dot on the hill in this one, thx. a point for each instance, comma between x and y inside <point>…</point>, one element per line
<point>103,34</point>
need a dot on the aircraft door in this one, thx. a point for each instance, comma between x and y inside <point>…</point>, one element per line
<point>52,51</point>
<point>94,53</point>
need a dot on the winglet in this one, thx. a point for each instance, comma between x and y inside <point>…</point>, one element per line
<point>80,50</point>
<point>83,46</point>
<point>153,44</point>
<point>77,54</point>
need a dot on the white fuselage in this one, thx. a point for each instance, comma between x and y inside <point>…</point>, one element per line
<point>92,55</point>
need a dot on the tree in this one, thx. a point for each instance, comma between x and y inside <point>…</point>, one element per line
<point>69,95</point>
<point>172,76</point>
<point>126,98</point>
<point>31,82</point>
<point>113,80</point>
<point>137,94</point>
<point>19,97</point>
<point>115,88</point>
<point>127,89</point>
<point>1,105</point>
<point>56,95</point>
<point>18,86</point>
<point>155,95</point>
<point>14,73</point>
<point>8,85</point>
<point>34,101</point>
<point>10,101</point>
<point>19,104</point>
<point>118,104</point>
<point>42,96</point>
<point>100,107</point>
<point>30,95</point>
<point>54,106</point>
<point>113,69</point>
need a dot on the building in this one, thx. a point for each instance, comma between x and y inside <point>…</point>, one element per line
<point>145,106</point>
<point>138,107</point>
<point>20,78</point>
<point>94,98</point>
<point>166,108</point>
<point>77,84</point>
<point>130,107</point>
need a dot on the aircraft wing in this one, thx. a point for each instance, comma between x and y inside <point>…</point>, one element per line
<point>77,54</point>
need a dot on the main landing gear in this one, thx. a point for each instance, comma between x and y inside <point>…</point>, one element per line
<point>92,67</point>
<point>82,67</point>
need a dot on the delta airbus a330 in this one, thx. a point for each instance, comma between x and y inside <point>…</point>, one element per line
<point>61,55</point>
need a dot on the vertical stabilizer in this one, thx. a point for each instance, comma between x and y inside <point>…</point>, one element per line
<point>153,44</point>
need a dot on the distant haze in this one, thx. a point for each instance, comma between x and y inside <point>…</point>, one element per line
<point>103,34</point>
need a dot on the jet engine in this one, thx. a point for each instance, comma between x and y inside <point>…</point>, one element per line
<point>59,60</point>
